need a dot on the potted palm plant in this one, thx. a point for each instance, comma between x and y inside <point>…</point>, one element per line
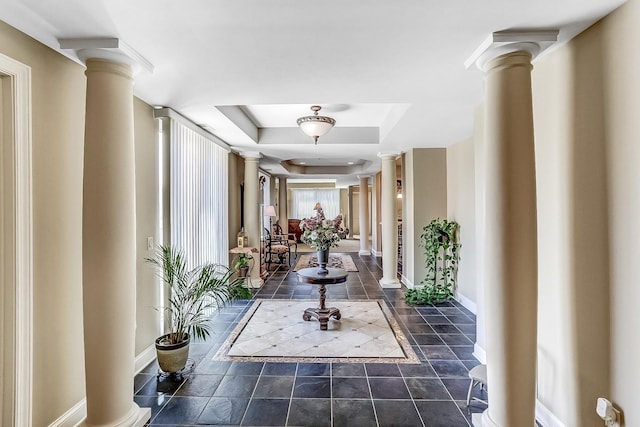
<point>193,295</point>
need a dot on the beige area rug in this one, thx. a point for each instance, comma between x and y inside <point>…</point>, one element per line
<point>273,330</point>
<point>335,261</point>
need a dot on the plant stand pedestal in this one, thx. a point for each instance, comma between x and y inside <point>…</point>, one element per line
<point>179,375</point>
<point>315,276</point>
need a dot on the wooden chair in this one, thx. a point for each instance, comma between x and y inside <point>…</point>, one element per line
<point>289,238</point>
<point>276,250</point>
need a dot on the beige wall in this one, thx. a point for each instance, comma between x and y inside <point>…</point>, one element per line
<point>355,203</point>
<point>426,199</point>
<point>573,285</point>
<point>58,95</point>
<point>236,176</point>
<point>461,208</point>
<point>147,223</point>
<point>621,110</point>
<point>586,109</point>
<point>375,200</point>
<point>344,206</point>
<point>58,107</point>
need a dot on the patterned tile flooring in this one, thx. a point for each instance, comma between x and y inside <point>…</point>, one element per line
<point>431,393</point>
<point>276,330</point>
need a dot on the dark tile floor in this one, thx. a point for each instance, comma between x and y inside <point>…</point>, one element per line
<point>326,394</point>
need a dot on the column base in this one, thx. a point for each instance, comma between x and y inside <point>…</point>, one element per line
<point>368,253</point>
<point>143,417</point>
<point>255,283</point>
<point>486,420</point>
<point>390,283</point>
<point>476,420</point>
<point>137,417</point>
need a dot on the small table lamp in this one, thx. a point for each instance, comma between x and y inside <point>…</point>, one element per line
<point>270,211</point>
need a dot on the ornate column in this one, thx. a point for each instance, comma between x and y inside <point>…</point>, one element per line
<point>365,246</point>
<point>389,222</point>
<point>252,212</point>
<point>109,246</point>
<point>282,204</point>
<point>511,233</point>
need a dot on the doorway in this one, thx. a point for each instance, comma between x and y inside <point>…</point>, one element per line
<point>16,263</point>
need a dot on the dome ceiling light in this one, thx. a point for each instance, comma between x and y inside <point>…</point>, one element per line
<point>316,126</point>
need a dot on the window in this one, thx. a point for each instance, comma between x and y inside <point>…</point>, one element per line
<point>304,200</point>
<point>198,196</point>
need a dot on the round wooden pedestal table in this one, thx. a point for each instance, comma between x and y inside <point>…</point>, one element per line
<point>315,277</point>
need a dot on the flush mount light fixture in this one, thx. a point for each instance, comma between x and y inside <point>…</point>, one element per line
<point>315,126</point>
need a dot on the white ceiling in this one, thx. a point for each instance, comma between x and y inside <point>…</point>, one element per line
<point>390,72</point>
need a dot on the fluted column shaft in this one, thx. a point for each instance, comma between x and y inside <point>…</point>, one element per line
<point>365,223</point>
<point>389,223</point>
<point>511,242</point>
<point>252,212</point>
<point>282,204</point>
<point>109,246</point>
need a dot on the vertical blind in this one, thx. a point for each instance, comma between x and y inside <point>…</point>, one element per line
<point>199,196</point>
<point>304,200</point>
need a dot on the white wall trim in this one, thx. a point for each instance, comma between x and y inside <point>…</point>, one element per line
<point>479,353</point>
<point>376,253</point>
<point>73,416</point>
<point>466,302</point>
<point>20,75</point>
<point>545,417</point>
<point>147,356</point>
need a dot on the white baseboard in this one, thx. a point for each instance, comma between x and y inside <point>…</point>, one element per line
<point>376,253</point>
<point>466,302</point>
<point>147,356</point>
<point>73,417</point>
<point>479,353</point>
<point>408,283</point>
<point>545,417</point>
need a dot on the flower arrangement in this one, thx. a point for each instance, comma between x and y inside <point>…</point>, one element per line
<point>320,233</point>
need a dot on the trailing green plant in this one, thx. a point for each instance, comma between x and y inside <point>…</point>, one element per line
<point>243,261</point>
<point>239,291</point>
<point>442,252</point>
<point>193,293</point>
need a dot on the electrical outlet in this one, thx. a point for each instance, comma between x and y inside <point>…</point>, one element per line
<point>149,243</point>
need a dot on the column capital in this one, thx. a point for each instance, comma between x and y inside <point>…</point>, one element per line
<point>101,65</point>
<point>389,154</point>
<point>503,42</point>
<point>251,155</point>
<point>361,177</point>
<point>108,48</point>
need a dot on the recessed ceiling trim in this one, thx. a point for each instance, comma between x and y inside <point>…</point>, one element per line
<point>166,112</point>
<point>324,170</point>
<point>338,135</point>
<point>237,116</point>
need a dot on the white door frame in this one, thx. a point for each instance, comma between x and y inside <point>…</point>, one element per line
<point>17,249</point>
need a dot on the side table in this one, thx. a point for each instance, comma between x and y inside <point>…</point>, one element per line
<point>312,276</point>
